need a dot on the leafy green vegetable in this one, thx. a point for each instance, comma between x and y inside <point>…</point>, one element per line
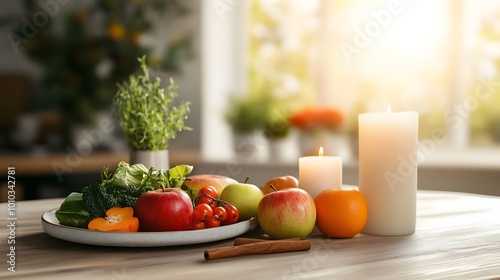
<point>138,175</point>
<point>147,113</point>
<point>98,199</point>
<point>121,188</point>
<point>126,197</point>
<point>125,175</point>
<point>73,211</point>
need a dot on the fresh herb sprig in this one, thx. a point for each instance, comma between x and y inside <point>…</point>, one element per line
<point>147,112</point>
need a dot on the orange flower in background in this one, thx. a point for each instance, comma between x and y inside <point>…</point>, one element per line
<point>116,31</point>
<point>330,118</point>
<point>317,118</point>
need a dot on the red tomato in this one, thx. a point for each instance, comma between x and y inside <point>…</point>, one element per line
<point>205,199</point>
<point>213,222</point>
<point>232,214</point>
<point>220,213</point>
<point>201,213</point>
<point>208,190</point>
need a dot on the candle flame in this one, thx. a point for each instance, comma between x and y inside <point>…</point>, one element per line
<point>320,151</point>
<point>389,108</point>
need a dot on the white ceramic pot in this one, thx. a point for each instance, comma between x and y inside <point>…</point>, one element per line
<point>156,159</point>
<point>283,149</point>
<point>250,147</point>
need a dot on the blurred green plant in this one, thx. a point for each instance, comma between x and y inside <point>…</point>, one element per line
<point>248,113</point>
<point>277,125</point>
<point>260,110</point>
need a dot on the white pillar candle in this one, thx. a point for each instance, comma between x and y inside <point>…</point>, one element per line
<point>388,144</point>
<point>318,173</point>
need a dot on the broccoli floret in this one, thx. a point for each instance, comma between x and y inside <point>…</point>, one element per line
<point>125,197</point>
<point>97,200</point>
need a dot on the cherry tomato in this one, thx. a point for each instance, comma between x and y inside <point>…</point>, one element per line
<point>213,222</point>
<point>220,213</point>
<point>208,190</point>
<point>198,225</point>
<point>201,213</point>
<point>205,199</point>
<point>232,214</point>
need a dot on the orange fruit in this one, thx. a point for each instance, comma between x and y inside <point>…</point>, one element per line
<point>340,213</point>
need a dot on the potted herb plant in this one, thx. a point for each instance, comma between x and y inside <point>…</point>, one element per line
<point>149,117</point>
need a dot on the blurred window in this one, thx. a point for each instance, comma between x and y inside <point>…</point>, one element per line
<point>440,58</point>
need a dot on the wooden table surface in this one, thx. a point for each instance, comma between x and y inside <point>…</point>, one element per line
<point>457,237</point>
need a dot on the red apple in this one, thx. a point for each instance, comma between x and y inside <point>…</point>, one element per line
<point>279,183</point>
<point>170,209</point>
<point>287,213</point>
<point>219,182</point>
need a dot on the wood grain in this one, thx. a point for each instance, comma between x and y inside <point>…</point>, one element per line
<point>457,237</point>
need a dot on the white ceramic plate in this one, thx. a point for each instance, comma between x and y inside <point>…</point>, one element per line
<point>51,226</point>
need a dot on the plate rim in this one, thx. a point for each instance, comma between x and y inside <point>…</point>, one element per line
<point>141,239</point>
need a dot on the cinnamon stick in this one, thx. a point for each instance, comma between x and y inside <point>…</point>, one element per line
<point>264,247</point>
<point>245,240</point>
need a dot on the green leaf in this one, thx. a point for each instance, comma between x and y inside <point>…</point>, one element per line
<point>72,211</point>
<point>177,175</point>
<point>180,171</point>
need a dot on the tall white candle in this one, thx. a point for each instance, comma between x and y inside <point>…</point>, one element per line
<point>388,145</point>
<point>318,173</point>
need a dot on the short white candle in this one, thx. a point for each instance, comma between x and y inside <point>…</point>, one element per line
<point>318,173</point>
<point>388,145</point>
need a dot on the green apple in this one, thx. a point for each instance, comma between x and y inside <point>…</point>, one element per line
<point>245,197</point>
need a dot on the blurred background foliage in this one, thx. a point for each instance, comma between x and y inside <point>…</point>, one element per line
<point>94,47</point>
